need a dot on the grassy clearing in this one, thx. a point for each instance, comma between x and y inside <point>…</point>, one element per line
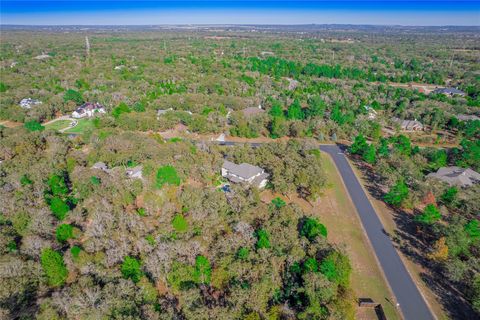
<point>337,212</point>
<point>83,124</point>
<point>57,125</point>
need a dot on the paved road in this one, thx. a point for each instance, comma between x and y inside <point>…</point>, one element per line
<point>411,302</point>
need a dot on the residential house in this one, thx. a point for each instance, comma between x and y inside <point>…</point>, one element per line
<point>28,103</point>
<point>135,172</point>
<point>409,125</point>
<point>372,113</point>
<point>100,166</point>
<point>449,92</point>
<point>252,111</point>
<point>456,176</point>
<point>88,110</point>
<point>161,112</point>
<point>467,117</point>
<point>244,173</point>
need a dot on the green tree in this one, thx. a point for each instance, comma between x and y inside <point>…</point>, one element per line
<point>33,126</point>
<point>359,145</point>
<point>310,265</point>
<point>72,95</point>
<point>276,110</point>
<point>120,109</point>
<point>64,232</point>
<point>54,267</point>
<point>203,270</point>
<point>472,228</point>
<point>403,145</point>
<point>336,267</point>
<point>397,194</point>
<point>295,111</point>
<point>278,203</point>
<point>312,228</point>
<point>243,253</point>
<point>179,223</point>
<point>369,155</point>
<point>263,239</point>
<point>449,195</point>
<point>75,251</point>
<point>131,269</point>
<point>3,87</point>
<point>167,175</point>
<point>429,216</point>
<point>383,150</point>
<point>59,208</point>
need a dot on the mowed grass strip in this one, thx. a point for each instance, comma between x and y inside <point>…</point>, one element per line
<point>338,213</point>
<point>83,124</point>
<point>58,125</point>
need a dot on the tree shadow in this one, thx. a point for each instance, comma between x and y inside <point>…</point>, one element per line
<point>414,243</point>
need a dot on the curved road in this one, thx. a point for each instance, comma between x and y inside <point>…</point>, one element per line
<point>412,304</point>
<point>411,301</point>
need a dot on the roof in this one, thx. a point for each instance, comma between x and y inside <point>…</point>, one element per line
<point>408,124</point>
<point>251,111</point>
<point>448,91</point>
<point>456,176</point>
<point>100,165</point>
<point>160,112</point>
<point>88,106</point>
<point>243,170</point>
<point>467,117</point>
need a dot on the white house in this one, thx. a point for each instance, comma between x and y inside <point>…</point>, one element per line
<point>135,172</point>
<point>88,110</point>
<point>244,173</point>
<point>372,113</point>
<point>28,103</point>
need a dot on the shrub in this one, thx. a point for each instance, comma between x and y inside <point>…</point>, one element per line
<point>121,108</point>
<point>472,228</point>
<point>33,126</point>
<point>397,194</point>
<point>25,180</point>
<point>131,269</point>
<point>203,270</point>
<point>59,208</point>
<point>72,95</point>
<point>336,267</point>
<point>64,232</point>
<point>95,180</point>
<point>429,216</point>
<point>3,87</point>
<point>449,195</point>
<point>312,228</point>
<point>54,267</point>
<point>167,175</point>
<point>243,253</point>
<point>263,239</point>
<point>310,265</point>
<point>278,203</point>
<point>75,251</point>
<point>179,223</point>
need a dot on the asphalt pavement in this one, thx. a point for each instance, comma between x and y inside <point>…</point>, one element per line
<point>411,302</point>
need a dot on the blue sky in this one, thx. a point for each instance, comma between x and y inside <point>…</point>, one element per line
<point>240,12</point>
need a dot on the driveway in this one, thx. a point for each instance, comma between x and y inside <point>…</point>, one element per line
<point>412,304</point>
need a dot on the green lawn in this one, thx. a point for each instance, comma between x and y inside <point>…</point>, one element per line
<point>57,125</point>
<point>83,124</point>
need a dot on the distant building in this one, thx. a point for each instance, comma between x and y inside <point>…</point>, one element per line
<point>245,173</point>
<point>252,111</point>
<point>42,57</point>
<point>372,113</point>
<point>135,172</point>
<point>28,103</point>
<point>161,112</point>
<point>100,166</point>
<point>409,125</point>
<point>88,110</point>
<point>449,92</point>
<point>467,117</point>
<point>456,176</point>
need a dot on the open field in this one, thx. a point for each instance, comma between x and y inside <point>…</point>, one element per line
<point>58,125</point>
<point>83,124</point>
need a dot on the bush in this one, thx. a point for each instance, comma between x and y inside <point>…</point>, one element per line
<point>263,239</point>
<point>54,267</point>
<point>167,175</point>
<point>131,269</point>
<point>3,87</point>
<point>243,253</point>
<point>33,126</point>
<point>203,270</point>
<point>64,232</point>
<point>312,228</point>
<point>72,95</point>
<point>336,267</point>
<point>59,208</point>
<point>397,194</point>
<point>449,195</point>
<point>179,223</point>
<point>310,265</point>
<point>278,203</point>
<point>429,216</point>
<point>95,180</point>
<point>121,108</point>
<point>75,251</point>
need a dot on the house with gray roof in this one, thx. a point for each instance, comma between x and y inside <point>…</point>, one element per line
<point>135,172</point>
<point>467,117</point>
<point>244,173</point>
<point>409,125</point>
<point>456,176</point>
<point>449,92</point>
<point>252,111</point>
